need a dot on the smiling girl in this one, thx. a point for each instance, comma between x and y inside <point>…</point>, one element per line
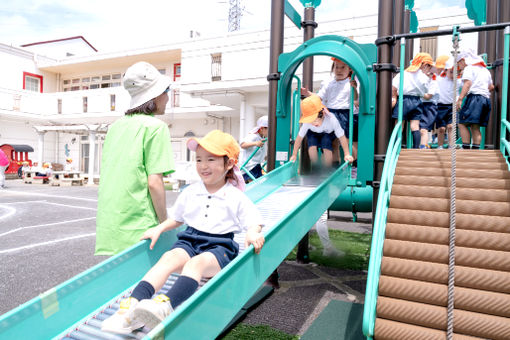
<point>214,210</point>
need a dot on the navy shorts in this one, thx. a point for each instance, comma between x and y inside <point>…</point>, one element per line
<point>476,110</point>
<point>342,115</point>
<point>444,115</point>
<point>428,117</point>
<point>321,139</point>
<point>412,108</point>
<point>256,172</point>
<point>196,242</point>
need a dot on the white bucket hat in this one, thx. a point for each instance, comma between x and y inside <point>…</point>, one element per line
<point>144,82</point>
<point>449,63</point>
<point>261,122</point>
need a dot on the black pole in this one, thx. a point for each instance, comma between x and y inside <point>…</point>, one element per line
<point>309,26</point>
<point>399,28</point>
<point>383,113</point>
<point>490,49</point>
<point>275,49</point>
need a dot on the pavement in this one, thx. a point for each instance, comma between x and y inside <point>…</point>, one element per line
<point>47,236</point>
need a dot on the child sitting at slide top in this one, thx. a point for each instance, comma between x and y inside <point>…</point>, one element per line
<point>214,209</point>
<point>321,128</point>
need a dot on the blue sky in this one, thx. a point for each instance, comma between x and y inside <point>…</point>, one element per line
<point>111,25</point>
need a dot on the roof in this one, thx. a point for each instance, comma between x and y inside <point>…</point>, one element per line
<point>21,147</point>
<point>63,39</point>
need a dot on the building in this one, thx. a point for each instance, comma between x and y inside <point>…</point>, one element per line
<point>60,96</point>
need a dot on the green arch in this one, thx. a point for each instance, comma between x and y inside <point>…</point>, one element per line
<point>360,58</point>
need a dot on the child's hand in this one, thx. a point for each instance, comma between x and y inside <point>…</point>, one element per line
<point>348,158</point>
<point>305,92</point>
<point>153,234</point>
<point>259,143</point>
<point>255,238</point>
<point>354,83</point>
<point>293,158</point>
<point>459,103</point>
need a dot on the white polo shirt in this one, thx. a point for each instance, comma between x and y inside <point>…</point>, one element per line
<point>445,86</point>
<point>227,210</point>
<point>480,80</point>
<point>329,124</point>
<point>415,83</point>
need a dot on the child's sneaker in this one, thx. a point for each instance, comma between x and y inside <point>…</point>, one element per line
<point>152,312</point>
<point>122,321</point>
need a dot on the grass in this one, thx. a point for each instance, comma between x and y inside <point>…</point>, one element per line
<point>355,245</point>
<point>249,332</point>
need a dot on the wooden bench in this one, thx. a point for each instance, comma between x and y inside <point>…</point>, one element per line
<point>40,179</point>
<point>68,181</point>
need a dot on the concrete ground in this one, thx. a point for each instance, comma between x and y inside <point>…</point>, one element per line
<point>47,236</point>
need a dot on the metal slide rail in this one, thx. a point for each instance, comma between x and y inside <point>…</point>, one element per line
<point>383,202</point>
<point>505,125</point>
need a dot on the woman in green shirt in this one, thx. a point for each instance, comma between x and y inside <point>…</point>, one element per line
<point>137,153</point>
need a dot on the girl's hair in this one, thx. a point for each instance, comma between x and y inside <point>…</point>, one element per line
<point>230,172</point>
<point>333,69</point>
<point>321,114</point>
<point>147,108</point>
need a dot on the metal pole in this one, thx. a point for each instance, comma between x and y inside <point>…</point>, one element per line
<point>490,49</point>
<point>309,26</point>
<point>383,113</point>
<point>504,87</point>
<point>275,49</point>
<point>504,16</point>
<point>399,28</point>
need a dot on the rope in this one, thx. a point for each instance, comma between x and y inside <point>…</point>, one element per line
<point>453,209</point>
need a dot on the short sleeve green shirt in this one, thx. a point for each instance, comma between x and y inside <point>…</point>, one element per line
<point>135,147</point>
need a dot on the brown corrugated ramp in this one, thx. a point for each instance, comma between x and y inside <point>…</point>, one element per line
<point>414,270</point>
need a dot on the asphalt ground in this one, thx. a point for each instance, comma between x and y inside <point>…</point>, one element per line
<point>47,236</point>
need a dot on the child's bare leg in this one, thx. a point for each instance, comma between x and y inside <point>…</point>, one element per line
<point>424,133</point>
<point>450,136</point>
<point>464,134</point>
<point>203,265</point>
<point>440,136</point>
<point>312,153</point>
<point>171,262</point>
<point>477,135</point>
<point>327,157</point>
<point>336,150</point>
<point>355,150</point>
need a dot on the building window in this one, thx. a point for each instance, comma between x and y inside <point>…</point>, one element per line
<point>429,44</point>
<point>177,71</point>
<point>32,82</point>
<point>216,66</point>
<point>92,82</point>
<point>176,98</point>
<point>112,102</point>
<point>162,71</point>
<point>85,104</point>
<point>59,106</point>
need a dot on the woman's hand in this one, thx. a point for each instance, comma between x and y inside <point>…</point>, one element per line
<point>153,234</point>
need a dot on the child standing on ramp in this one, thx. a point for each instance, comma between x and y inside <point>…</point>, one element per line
<point>256,138</point>
<point>214,209</point>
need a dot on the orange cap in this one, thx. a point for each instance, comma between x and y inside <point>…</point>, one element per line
<point>310,108</point>
<point>218,143</point>
<point>46,165</point>
<point>418,60</point>
<point>335,59</point>
<point>441,61</point>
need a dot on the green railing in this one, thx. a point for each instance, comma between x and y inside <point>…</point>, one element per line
<point>383,201</point>
<point>243,167</point>
<point>504,146</point>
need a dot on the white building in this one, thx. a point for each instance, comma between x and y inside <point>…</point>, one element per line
<point>60,96</point>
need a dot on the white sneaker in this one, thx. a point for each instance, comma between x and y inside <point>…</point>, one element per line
<point>122,321</point>
<point>332,251</point>
<point>152,312</point>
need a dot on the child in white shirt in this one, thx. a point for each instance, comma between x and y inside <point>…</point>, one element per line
<point>256,138</point>
<point>476,89</point>
<point>214,209</point>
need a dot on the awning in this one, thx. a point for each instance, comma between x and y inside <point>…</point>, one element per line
<point>21,147</point>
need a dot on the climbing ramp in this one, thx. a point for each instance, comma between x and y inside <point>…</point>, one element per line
<point>76,308</point>
<point>412,290</point>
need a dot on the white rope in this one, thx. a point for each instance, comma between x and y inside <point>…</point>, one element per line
<point>453,209</point>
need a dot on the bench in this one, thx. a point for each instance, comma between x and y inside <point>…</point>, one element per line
<point>69,181</point>
<point>40,179</point>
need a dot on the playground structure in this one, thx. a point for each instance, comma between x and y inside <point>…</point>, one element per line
<point>17,154</point>
<point>408,265</point>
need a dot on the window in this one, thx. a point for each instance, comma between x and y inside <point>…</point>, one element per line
<point>116,76</point>
<point>32,82</point>
<point>59,106</point>
<point>112,102</point>
<point>216,66</point>
<point>92,82</point>
<point>83,80</point>
<point>177,71</point>
<point>429,44</point>
<point>162,71</point>
<point>85,104</point>
<point>175,98</point>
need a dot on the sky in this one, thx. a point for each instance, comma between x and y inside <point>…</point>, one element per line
<point>116,25</point>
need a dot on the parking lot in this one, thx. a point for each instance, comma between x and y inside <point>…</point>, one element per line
<point>47,235</point>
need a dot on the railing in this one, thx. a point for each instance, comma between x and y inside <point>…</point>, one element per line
<point>243,167</point>
<point>383,201</point>
<point>504,146</point>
